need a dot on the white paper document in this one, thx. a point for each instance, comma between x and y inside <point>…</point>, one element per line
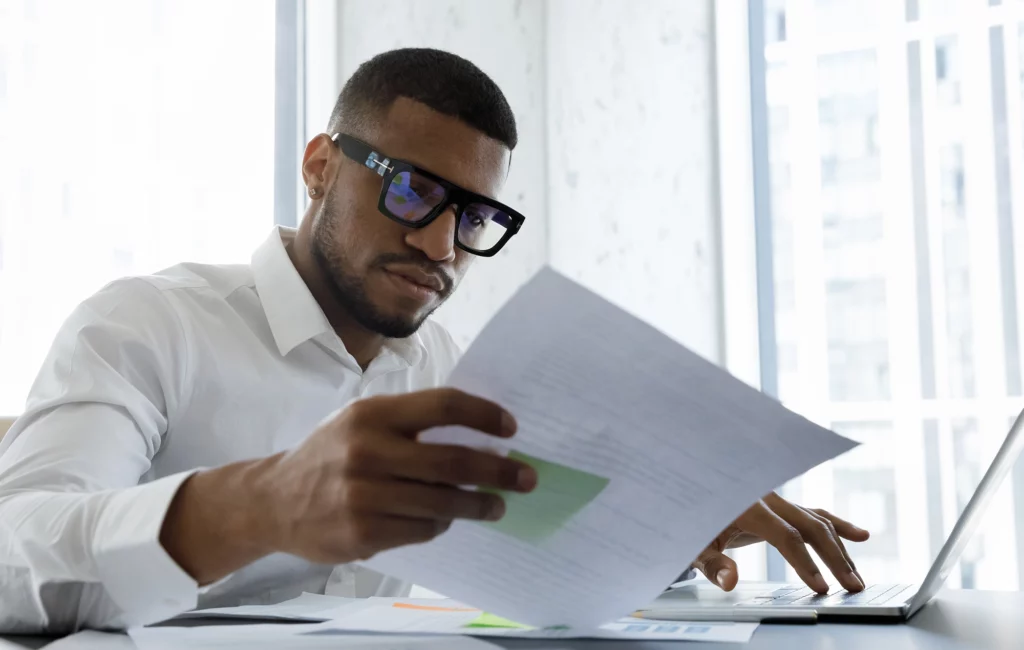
<point>397,615</point>
<point>645,452</point>
<point>294,637</point>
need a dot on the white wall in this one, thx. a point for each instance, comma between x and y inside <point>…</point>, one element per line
<point>506,40</point>
<point>632,198</point>
<point>615,164</point>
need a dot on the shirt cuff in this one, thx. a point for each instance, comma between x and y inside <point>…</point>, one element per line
<point>137,573</point>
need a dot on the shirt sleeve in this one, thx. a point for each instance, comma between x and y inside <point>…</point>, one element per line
<point>79,534</point>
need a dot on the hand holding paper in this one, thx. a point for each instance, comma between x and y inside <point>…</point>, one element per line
<point>685,449</point>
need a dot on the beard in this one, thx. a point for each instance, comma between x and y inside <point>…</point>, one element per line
<point>349,290</point>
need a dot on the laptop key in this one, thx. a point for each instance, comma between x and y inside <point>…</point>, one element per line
<point>847,598</point>
<point>793,597</point>
<point>782,591</point>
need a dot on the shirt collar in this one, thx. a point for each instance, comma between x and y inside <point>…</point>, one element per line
<point>293,313</point>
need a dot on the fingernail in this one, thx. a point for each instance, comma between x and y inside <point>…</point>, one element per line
<point>527,479</point>
<point>722,578</point>
<point>508,424</point>
<point>855,579</point>
<point>497,509</point>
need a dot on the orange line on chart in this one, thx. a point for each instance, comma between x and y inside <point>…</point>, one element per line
<point>430,608</point>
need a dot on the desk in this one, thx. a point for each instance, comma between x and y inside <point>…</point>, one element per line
<point>956,620</point>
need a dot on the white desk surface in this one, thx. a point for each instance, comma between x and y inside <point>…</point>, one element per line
<point>956,620</point>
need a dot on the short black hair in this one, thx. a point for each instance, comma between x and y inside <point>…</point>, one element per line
<point>445,82</point>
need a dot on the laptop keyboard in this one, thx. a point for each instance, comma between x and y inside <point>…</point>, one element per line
<point>801,596</point>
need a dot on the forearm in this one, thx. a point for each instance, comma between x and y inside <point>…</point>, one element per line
<point>220,521</point>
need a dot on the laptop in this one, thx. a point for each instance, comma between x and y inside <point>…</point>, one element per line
<point>888,601</point>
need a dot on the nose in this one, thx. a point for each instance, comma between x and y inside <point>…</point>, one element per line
<point>437,239</point>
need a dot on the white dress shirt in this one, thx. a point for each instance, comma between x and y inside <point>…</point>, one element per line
<point>149,380</point>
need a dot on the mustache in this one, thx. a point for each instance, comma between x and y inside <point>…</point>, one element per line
<point>426,266</point>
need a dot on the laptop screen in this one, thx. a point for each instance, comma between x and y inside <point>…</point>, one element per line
<point>971,516</point>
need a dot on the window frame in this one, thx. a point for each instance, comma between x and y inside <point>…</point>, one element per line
<point>289,118</point>
<point>289,113</point>
<point>906,410</point>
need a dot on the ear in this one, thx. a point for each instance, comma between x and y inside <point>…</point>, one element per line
<point>320,162</point>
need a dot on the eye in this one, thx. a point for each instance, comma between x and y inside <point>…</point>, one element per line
<point>475,219</point>
<point>421,189</point>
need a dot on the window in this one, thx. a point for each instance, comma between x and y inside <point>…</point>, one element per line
<point>895,162</point>
<point>134,134</point>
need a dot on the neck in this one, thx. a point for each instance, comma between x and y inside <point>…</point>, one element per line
<point>360,342</point>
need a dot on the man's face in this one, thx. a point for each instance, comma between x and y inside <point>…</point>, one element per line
<point>381,271</point>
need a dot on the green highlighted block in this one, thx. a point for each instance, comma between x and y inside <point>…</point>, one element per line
<point>561,492</point>
<point>490,620</point>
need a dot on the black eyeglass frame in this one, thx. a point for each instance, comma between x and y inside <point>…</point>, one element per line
<point>387,168</point>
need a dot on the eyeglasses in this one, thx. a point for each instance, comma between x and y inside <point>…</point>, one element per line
<point>415,197</point>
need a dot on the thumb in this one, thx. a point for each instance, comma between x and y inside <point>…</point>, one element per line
<point>719,568</point>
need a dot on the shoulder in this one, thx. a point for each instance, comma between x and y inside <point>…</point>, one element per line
<point>158,306</point>
<point>166,299</point>
<point>214,280</point>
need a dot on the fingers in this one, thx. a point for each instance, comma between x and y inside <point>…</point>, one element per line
<point>821,535</point>
<point>718,568</point>
<point>845,529</point>
<point>842,547</point>
<point>788,540</point>
<point>456,465</point>
<point>411,413</point>
<point>422,501</point>
<point>368,535</point>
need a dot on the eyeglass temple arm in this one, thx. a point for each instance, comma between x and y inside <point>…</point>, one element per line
<point>362,153</point>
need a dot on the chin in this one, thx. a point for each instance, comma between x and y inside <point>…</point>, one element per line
<point>395,323</point>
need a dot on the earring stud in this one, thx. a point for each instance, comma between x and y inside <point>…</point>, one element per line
<point>312,192</point>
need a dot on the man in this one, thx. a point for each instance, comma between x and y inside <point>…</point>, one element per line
<point>193,436</point>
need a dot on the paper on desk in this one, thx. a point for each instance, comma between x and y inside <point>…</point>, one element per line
<point>685,447</point>
<point>294,637</point>
<point>313,608</point>
<point>392,615</point>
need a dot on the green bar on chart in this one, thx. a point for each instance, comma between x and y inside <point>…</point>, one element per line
<point>490,620</point>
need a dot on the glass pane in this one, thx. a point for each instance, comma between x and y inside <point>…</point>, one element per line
<point>953,217</point>
<point>412,196</point>
<point>858,348</point>
<point>131,138</point>
<point>988,560</point>
<point>864,491</point>
<point>947,8</point>
<point>913,10</point>
<point>845,16</point>
<point>774,21</point>
<point>481,227</point>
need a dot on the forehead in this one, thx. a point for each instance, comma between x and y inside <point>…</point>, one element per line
<point>442,144</point>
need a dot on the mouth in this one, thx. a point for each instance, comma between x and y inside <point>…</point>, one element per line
<point>422,287</point>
